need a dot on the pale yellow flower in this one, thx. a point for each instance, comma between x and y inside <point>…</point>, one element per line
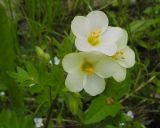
<point>122,59</point>
<point>85,71</point>
<point>93,33</point>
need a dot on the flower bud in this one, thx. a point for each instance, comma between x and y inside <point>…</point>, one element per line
<point>42,54</point>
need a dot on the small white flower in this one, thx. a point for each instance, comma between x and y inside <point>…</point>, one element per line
<point>56,60</point>
<point>2,93</point>
<point>50,62</point>
<point>122,124</point>
<point>86,70</point>
<point>93,33</point>
<point>32,84</point>
<point>130,114</point>
<point>38,122</point>
<point>122,59</point>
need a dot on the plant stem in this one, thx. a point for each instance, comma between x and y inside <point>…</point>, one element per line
<point>49,114</point>
<point>139,88</point>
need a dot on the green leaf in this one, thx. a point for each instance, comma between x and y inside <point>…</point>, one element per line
<point>141,25</point>
<point>27,78</point>
<point>109,126</point>
<point>7,53</point>
<point>66,46</point>
<point>7,60</point>
<point>157,83</point>
<point>57,79</point>
<point>118,89</point>
<point>151,10</point>
<point>32,71</point>
<point>73,102</point>
<point>9,119</point>
<point>99,110</point>
<point>20,76</point>
<point>22,72</point>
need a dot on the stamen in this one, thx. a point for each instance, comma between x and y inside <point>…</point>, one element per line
<point>94,36</point>
<point>119,55</point>
<point>87,67</point>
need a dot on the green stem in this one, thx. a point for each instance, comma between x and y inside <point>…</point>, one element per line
<point>49,114</point>
<point>138,89</point>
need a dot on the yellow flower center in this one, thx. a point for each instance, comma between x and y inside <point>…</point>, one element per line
<point>119,55</point>
<point>94,37</point>
<point>87,67</point>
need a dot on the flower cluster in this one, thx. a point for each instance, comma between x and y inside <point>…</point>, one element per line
<point>38,122</point>
<point>104,53</point>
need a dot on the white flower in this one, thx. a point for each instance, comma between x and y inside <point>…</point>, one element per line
<point>93,33</point>
<point>2,93</point>
<point>50,62</point>
<point>122,124</point>
<point>122,59</point>
<point>130,114</point>
<point>56,60</point>
<point>38,122</point>
<point>87,71</point>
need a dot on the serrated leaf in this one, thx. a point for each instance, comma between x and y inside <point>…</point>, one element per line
<point>99,110</point>
<point>20,76</point>
<point>32,71</point>
<point>22,72</point>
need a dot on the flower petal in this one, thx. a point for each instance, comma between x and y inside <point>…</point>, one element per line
<point>129,60</point>
<point>74,81</point>
<point>83,45</point>
<point>97,20</point>
<point>106,67</point>
<point>107,48</point>
<point>120,75</point>
<point>112,35</point>
<point>71,62</point>
<point>123,40</point>
<point>80,26</point>
<point>94,85</point>
<point>93,56</point>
